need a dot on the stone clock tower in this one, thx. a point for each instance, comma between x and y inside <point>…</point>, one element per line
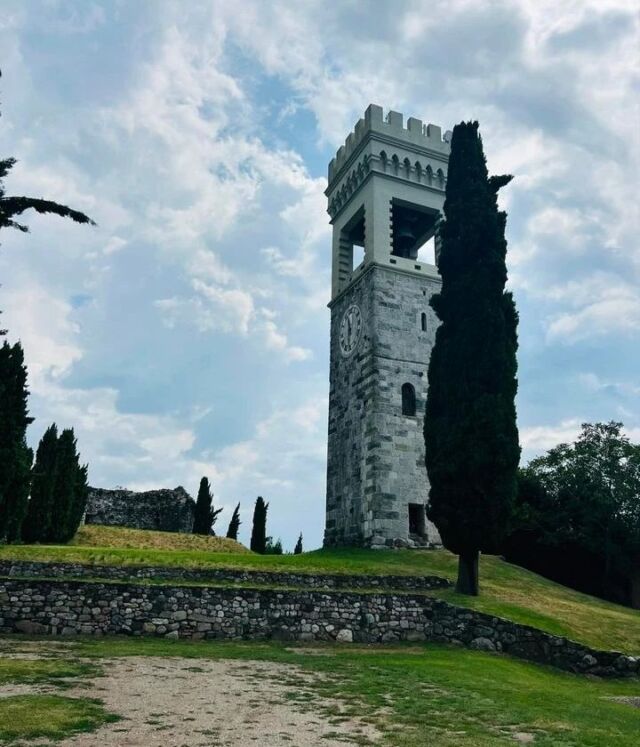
<point>385,195</point>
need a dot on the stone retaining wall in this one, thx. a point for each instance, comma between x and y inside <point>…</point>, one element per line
<point>69,607</point>
<point>222,575</point>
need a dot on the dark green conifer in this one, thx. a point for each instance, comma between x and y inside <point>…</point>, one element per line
<point>297,550</point>
<point>79,502</point>
<point>259,529</point>
<point>471,435</point>
<point>64,488</point>
<point>202,516</point>
<point>37,524</point>
<point>234,524</point>
<point>15,456</point>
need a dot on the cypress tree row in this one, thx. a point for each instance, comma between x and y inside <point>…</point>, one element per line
<point>15,456</point>
<point>59,489</point>
<point>38,520</point>
<point>470,430</point>
<point>259,529</point>
<point>234,524</point>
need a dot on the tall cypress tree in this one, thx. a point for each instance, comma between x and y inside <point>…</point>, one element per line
<point>234,524</point>
<point>470,429</point>
<point>297,550</point>
<point>259,529</point>
<point>202,516</point>
<point>205,515</point>
<point>64,488</point>
<point>36,527</point>
<point>15,456</point>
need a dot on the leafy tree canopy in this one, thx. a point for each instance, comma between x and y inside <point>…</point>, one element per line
<point>587,494</point>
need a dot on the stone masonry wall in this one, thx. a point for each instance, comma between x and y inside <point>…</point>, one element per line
<point>375,465</point>
<point>18,568</point>
<point>79,607</point>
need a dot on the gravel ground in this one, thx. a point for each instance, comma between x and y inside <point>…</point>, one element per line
<point>176,702</point>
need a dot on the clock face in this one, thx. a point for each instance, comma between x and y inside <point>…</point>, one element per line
<point>350,329</point>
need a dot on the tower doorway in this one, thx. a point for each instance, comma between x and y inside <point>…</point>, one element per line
<point>417,520</point>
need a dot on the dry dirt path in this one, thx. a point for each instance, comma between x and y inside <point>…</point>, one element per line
<point>176,702</point>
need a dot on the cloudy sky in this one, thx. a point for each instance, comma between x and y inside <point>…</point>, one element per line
<point>188,333</point>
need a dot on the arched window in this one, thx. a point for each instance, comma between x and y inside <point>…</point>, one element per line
<point>408,400</point>
<point>423,321</point>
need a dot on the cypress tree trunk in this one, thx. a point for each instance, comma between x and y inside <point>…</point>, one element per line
<point>467,582</point>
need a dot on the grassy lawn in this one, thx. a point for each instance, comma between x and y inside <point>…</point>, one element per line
<point>27,717</point>
<point>39,671</point>
<point>428,694</point>
<point>506,590</point>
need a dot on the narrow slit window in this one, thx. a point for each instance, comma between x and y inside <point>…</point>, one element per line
<point>408,400</point>
<point>423,321</point>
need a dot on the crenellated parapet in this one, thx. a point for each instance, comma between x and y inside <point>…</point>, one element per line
<point>416,155</point>
<point>415,134</point>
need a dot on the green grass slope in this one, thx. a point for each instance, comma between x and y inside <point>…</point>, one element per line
<point>506,590</point>
<point>94,535</point>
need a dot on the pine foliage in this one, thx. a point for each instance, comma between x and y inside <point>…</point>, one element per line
<point>10,207</point>
<point>15,456</point>
<point>234,524</point>
<point>259,529</point>
<point>471,435</point>
<point>297,550</point>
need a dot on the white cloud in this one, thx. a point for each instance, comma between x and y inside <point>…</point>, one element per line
<point>276,340</point>
<point>598,303</point>
<point>540,438</point>
<point>44,326</point>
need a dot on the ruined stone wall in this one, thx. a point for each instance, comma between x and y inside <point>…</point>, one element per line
<point>80,607</point>
<point>164,510</point>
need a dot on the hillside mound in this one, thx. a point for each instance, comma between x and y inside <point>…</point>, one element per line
<point>94,535</point>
